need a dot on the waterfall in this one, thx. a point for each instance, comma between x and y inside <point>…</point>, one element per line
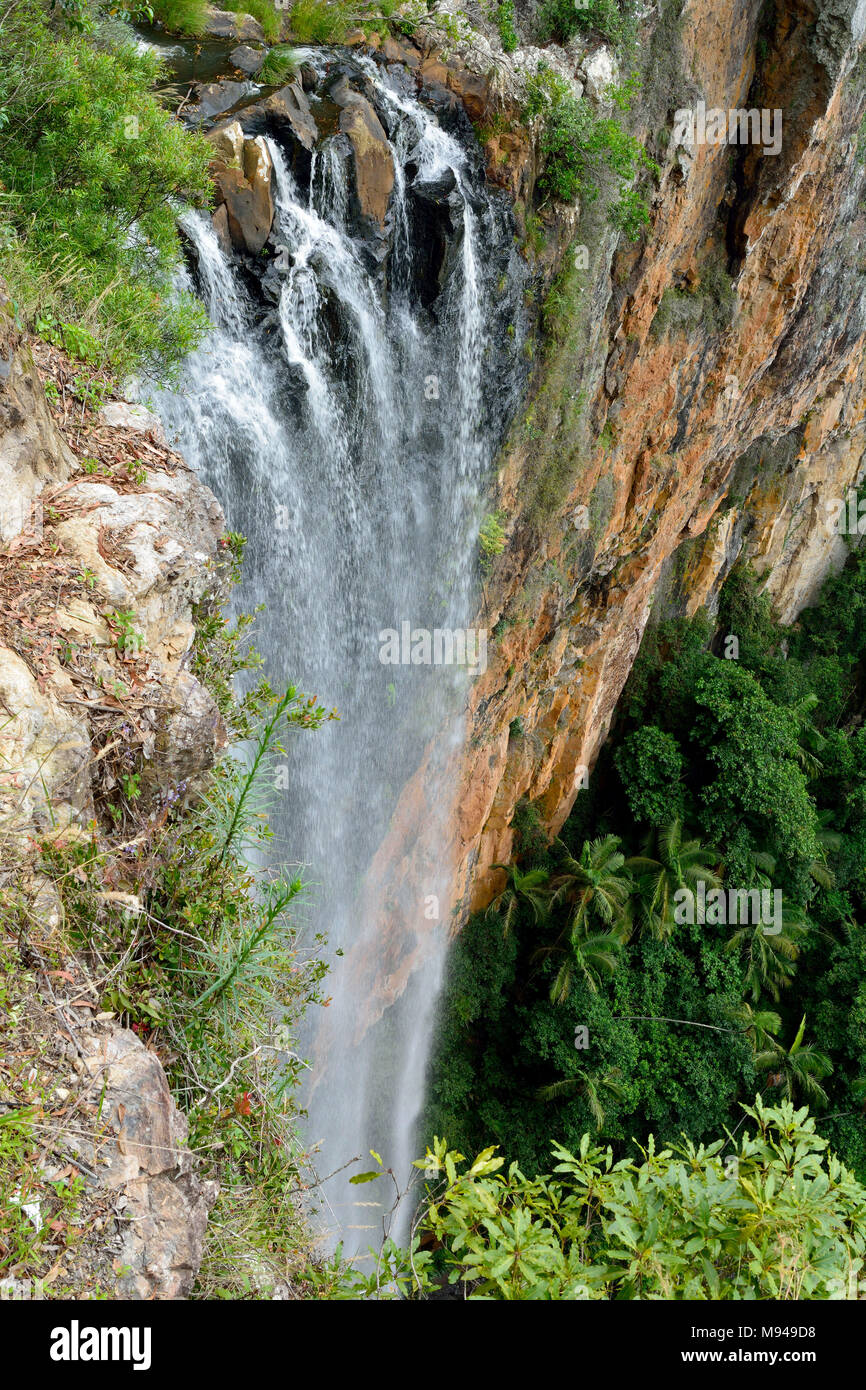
<point>347,421</point>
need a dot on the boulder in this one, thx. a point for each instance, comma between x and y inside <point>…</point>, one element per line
<point>228,141</point>
<point>223,24</point>
<point>249,60</point>
<point>434,70</point>
<point>166,534</point>
<point>401,51</point>
<point>259,169</point>
<point>32,453</point>
<point>247,196</point>
<point>472,89</point>
<point>289,110</point>
<point>190,734</point>
<point>286,114</point>
<point>309,77</point>
<point>220,221</point>
<point>135,418</point>
<point>142,1161</point>
<point>44,754</point>
<point>374,165</point>
<point>214,98</point>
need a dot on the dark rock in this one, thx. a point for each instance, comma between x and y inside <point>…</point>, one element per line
<point>441,190</point>
<point>309,77</point>
<point>286,115</point>
<point>249,60</point>
<point>223,24</point>
<point>402,79</point>
<point>271,283</point>
<point>436,215</point>
<point>444,103</point>
<point>214,99</point>
<point>289,108</point>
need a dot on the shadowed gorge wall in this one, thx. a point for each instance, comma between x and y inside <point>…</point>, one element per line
<point>711,398</point>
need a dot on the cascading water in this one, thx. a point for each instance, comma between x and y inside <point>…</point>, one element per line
<point>346,420</point>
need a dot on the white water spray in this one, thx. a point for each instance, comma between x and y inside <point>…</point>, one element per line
<point>359,488</point>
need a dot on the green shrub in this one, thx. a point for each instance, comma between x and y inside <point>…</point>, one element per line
<point>630,213</point>
<point>281,65</point>
<point>505,23</point>
<point>181,16</point>
<point>92,170</point>
<point>651,766</point>
<point>491,537</point>
<point>263,11</point>
<point>562,19</point>
<point>770,1215</point>
<point>582,149</point>
<point>767,1214</point>
<point>321,21</point>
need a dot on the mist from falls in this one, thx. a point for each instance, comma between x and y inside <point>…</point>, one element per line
<point>347,420</point>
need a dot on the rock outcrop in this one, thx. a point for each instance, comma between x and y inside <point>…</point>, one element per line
<point>107,1121</point>
<point>373,164</point>
<point>245,195</point>
<point>105,550</point>
<point>31,452</point>
<point>143,1164</point>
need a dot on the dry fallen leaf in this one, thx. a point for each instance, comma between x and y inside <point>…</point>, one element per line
<point>128,900</point>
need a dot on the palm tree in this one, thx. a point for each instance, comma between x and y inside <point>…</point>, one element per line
<point>828,840</point>
<point>595,888</point>
<point>770,959</point>
<point>589,1085</point>
<point>810,741</point>
<point>800,1070</point>
<point>520,888</point>
<point>592,955</point>
<point>680,865</point>
<point>758,1025</point>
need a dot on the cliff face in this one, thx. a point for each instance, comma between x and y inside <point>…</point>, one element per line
<point>700,398</point>
<point>105,536</point>
<point>717,399</point>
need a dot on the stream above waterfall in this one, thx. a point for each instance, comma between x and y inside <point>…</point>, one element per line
<point>346,409</point>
